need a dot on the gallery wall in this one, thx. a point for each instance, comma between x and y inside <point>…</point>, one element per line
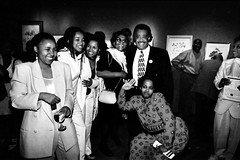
<point>211,21</point>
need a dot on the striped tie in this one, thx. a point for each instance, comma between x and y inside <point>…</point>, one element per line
<point>141,65</point>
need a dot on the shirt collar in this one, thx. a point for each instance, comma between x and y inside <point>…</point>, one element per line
<point>146,50</point>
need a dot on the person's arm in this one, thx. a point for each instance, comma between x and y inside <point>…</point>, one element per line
<point>177,62</point>
<point>3,74</point>
<point>169,120</point>
<point>109,74</point>
<point>168,80</point>
<point>69,97</point>
<point>122,103</point>
<point>19,94</point>
<point>220,79</point>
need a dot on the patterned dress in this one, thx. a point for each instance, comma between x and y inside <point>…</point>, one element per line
<point>158,123</point>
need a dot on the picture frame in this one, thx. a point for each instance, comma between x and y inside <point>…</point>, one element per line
<point>177,44</point>
<point>57,36</point>
<point>211,47</point>
<point>29,29</point>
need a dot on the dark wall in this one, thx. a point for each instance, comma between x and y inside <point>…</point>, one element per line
<point>211,21</point>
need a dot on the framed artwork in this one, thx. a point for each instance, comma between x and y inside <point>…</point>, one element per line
<point>212,47</point>
<point>29,29</point>
<point>177,44</point>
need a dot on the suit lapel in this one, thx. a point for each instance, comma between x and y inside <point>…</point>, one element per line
<point>40,87</point>
<point>58,79</point>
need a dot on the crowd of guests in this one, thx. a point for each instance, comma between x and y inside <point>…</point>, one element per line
<point>54,95</point>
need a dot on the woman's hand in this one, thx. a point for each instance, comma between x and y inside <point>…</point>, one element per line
<point>66,111</point>
<point>128,84</point>
<point>223,82</point>
<point>87,83</point>
<point>49,98</point>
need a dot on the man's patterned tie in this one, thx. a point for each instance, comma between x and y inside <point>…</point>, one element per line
<point>141,65</point>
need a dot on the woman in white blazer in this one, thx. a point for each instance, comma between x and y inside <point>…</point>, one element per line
<point>72,54</point>
<point>42,88</point>
<point>226,133</point>
<point>90,87</point>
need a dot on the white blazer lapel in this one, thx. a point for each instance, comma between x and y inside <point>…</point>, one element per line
<point>58,78</point>
<point>40,87</point>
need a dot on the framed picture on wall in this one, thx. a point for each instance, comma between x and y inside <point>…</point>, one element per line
<point>29,30</point>
<point>212,47</point>
<point>177,44</point>
<point>57,37</point>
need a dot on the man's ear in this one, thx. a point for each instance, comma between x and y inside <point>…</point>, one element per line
<point>149,39</point>
<point>35,49</point>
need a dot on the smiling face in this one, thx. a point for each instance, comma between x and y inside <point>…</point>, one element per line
<point>147,88</point>
<point>46,51</point>
<point>236,50</point>
<point>92,49</point>
<point>78,42</point>
<point>197,45</point>
<point>121,43</point>
<point>141,39</point>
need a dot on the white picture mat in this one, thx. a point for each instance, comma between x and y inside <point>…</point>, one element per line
<point>177,44</point>
<point>211,46</point>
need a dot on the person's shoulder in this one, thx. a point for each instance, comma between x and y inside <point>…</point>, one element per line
<point>64,52</point>
<point>60,64</point>
<point>24,66</point>
<point>228,61</point>
<point>158,50</point>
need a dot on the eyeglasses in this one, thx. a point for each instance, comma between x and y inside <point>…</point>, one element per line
<point>119,40</point>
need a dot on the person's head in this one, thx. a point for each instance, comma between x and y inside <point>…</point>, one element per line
<point>197,45</point>
<point>146,86</point>
<point>75,39</point>
<point>119,40</point>
<point>128,32</point>
<point>101,36</point>
<point>45,46</point>
<point>142,36</point>
<point>236,47</point>
<point>61,43</point>
<point>92,46</point>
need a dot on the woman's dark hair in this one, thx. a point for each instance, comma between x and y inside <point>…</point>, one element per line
<point>101,36</point>
<point>69,36</point>
<point>142,27</point>
<point>145,77</point>
<point>38,38</point>
<point>96,37</point>
<point>115,36</point>
<point>236,39</point>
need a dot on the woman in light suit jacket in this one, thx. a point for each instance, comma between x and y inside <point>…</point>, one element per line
<point>226,133</point>
<point>43,88</point>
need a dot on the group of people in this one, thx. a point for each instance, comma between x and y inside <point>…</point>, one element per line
<point>65,81</point>
<point>201,93</point>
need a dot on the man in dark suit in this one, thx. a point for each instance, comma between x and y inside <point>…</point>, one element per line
<point>156,64</point>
